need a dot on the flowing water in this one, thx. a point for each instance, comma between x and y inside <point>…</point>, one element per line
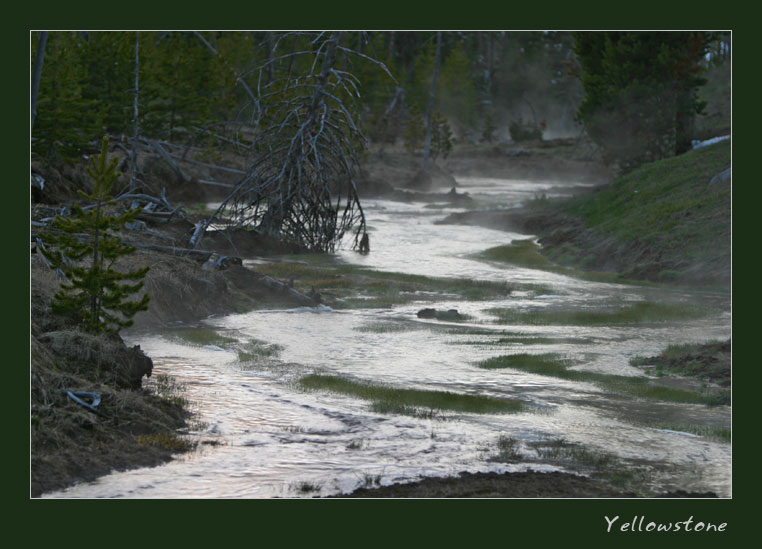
<point>272,439</point>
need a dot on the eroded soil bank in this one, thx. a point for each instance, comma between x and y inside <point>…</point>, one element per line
<point>668,222</point>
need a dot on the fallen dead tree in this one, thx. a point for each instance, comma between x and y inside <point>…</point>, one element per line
<point>301,185</point>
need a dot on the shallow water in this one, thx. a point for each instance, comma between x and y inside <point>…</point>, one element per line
<point>275,440</point>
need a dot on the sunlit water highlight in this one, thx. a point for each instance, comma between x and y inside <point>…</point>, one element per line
<point>275,440</point>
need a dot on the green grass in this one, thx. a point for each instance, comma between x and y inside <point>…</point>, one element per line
<point>255,350</point>
<point>421,403</point>
<point>708,361</point>
<point>350,286</point>
<point>554,365</point>
<point>393,327</point>
<point>642,311</point>
<point>508,450</point>
<point>601,465</point>
<point>527,254</point>
<point>705,431</point>
<point>521,340</point>
<point>664,214</point>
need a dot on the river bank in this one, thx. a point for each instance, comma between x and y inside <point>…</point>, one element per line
<point>668,221</point>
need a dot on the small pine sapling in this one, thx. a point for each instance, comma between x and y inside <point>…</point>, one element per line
<point>441,139</point>
<point>86,247</point>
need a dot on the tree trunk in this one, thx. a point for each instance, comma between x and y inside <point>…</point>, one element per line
<point>430,111</point>
<point>684,121</point>
<point>134,159</point>
<point>36,74</point>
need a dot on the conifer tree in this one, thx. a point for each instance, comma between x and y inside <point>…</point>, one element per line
<point>441,138</point>
<point>415,130</point>
<point>66,119</point>
<point>640,92</point>
<point>86,249</point>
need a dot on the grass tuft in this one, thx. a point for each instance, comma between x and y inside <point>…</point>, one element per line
<point>419,403</point>
<point>554,366</point>
<point>642,311</point>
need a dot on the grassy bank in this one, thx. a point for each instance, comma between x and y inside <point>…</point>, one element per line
<point>706,361</point>
<point>639,387</point>
<point>666,221</point>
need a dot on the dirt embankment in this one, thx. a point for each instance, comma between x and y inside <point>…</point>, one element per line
<point>668,221</point>
<point>70,442</point>
<point>131,426</point>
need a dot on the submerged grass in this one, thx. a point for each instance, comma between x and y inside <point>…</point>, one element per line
<point>526,253</point>
<point>393,327</point>
<point>522,340</point>
<point>721,434</point>
<point>256,350</point>
<point>350,286</point>
<point>554,365</point>
<point>600,465</point>
<point>642,311</point>
<point>421,403</point>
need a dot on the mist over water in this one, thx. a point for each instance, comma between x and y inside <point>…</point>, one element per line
<point>272,439</point>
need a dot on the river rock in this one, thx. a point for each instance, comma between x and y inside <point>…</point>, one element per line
<point>451,314</point>
<point>427,313</point>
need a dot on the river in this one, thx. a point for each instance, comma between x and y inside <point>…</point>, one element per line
<point>272,439</point>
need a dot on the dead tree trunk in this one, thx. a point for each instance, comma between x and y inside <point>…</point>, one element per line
<point>301,185</point>
<point>36,75</point>
<point>430,110</point>
<point>168,159</point>
<point>134,158</point>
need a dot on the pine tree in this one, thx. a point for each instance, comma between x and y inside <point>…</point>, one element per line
<point>415,130</point>
<point>94,297</point>
<point>640,92</point>
<point>441,137</point>
<point>66,120</point>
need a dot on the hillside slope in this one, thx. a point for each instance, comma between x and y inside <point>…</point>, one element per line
<point>668,221</point>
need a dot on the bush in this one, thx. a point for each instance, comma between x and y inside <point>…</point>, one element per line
<point>521,131</point>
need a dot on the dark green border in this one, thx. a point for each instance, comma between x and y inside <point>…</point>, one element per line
<point>346,522</point>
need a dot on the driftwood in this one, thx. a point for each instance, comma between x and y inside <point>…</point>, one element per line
<point>279,286</point>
